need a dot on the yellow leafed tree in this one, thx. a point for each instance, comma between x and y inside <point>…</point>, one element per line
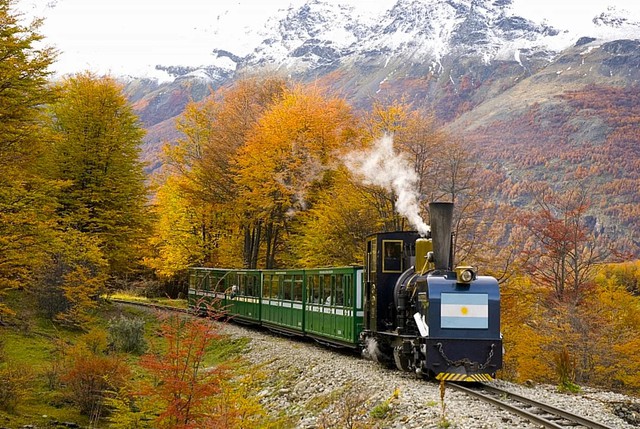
<point>617,312</point>
<point>198,222</point>
<point>524,333</point>
<point>289,158</point>
<point>331,233</point>
<point>175,242</point>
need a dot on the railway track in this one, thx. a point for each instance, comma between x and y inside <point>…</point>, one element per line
<point>536,412</point>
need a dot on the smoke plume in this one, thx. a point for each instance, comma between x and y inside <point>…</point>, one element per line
<point>382,166</point>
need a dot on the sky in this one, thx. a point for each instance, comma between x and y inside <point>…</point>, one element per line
<point>131,36</point>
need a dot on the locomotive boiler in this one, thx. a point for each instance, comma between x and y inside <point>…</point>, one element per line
<point>422,313</point>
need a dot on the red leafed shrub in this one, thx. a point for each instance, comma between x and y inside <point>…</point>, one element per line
<point>89,377</point>
<point>183,387</point>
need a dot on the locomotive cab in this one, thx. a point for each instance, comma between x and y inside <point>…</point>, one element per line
<point>388,256</point>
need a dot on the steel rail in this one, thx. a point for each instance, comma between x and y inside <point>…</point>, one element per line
<point>534,418</point>
<point>548,408</point>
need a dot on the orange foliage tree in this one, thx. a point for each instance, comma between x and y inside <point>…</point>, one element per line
<point>563,252</point>
<point>196,192</point>
<point>584,332</point>
<point>179,390</point>
<point>240,109</point>
<point>182,386</point>
<point>289,157</point>
<point>579,332</point>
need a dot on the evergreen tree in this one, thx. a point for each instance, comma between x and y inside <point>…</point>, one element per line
<point>26,201</point>
<point>97,139</point>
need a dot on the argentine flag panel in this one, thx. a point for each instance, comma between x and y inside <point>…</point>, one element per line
<point>464,311</point>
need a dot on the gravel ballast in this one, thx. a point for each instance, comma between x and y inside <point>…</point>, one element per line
<point>324,388</point>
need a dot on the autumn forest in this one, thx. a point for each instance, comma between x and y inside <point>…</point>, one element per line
<point>260,178</point>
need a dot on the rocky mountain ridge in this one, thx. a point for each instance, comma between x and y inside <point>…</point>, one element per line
<point>321,35</point>
<point>511,88</point>
<point>433,41</point>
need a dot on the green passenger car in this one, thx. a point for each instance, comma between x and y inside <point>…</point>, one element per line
<point>325,304</point>
<point>242,298</point>
<point>207,288</point>
<point>333,305</point>
<point>234,292</point>
<point>282,300</point>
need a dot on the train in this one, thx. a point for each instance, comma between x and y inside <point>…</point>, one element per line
<point>407,306</point>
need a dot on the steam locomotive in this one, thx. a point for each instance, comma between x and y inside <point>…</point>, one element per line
<point>424,315</point>
<point>406,307</point>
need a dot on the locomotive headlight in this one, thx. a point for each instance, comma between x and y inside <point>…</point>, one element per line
<point>465,274</point>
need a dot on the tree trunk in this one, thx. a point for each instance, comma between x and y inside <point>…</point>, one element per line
<point>246,250</point>
<point>251,246</point>
<point>271,238</point>
<point>255,245</point>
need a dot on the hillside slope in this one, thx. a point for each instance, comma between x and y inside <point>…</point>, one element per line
<point>574,123</point>
<point>530,110</point>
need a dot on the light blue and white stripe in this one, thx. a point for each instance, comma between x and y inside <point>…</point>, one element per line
<point>464,310</point>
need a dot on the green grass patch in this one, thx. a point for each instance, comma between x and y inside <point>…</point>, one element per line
<point>42,347</point>
<point>33,350</point>
<point>124,296</point>
<point>35,353</point>
<point>225,349</point>
<point>381,411</point>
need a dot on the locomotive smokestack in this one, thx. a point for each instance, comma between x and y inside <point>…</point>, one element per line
<point>441,215</point>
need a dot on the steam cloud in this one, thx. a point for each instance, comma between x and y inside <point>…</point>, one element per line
<point>381,166</point>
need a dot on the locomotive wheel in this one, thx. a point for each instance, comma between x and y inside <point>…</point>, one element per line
<point>401,360</point>
<point>383,354</point>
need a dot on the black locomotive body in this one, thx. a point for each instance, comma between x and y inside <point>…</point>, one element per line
<point>424,315</point>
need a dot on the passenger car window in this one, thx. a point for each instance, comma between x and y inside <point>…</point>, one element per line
<point>326,289</point>
<point>297,287</point>
<point>313,289</point>
<point>339,298</point>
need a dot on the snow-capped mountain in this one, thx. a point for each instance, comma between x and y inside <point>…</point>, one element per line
<point>321,35</point>
<point>523,93</point>
<point>314,35</point>
<point>447,55</point>
<point>311,37</point>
